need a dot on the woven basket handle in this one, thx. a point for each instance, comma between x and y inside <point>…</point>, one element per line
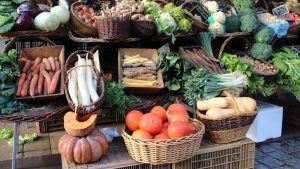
<point>17,39</point>
<point>227,42</point>
<point>236,107</point>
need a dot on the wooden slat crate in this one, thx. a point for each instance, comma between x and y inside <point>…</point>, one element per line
<point>237,155</point>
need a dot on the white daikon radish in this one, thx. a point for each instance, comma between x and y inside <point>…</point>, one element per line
<point>72,87</point>
<point>89,80</point>
<point>83,91</point>
<point>95,83</point>
<point>96,60</point>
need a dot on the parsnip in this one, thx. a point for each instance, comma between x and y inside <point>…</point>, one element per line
<point>72,87</point>
<point>218,102</point>
<point>89,80</point>
<point>83,91</point>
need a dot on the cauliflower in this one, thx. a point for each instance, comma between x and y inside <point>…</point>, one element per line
<point>212,6</point>
<point>233,23</point>
<point>265,35</point>
<point>217,17</point>
<point>216,27</point>
<point>184,25</point>
<point>249,23</point>
<point>261,51</point>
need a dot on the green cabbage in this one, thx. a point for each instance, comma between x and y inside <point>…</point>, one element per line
<point>166,24</point>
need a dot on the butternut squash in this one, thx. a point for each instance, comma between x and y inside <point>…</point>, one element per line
<point>74,127</point>
<point>218,102</point>
<point>219,113</point>
<point>245,104</point>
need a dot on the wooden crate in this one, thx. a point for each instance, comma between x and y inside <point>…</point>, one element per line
<point>237,155</point>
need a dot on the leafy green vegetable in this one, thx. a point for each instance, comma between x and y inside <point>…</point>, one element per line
<point>115,97</point>
<point>288,63</point>
<point>5,134</point>
<point>9,72</point>
<point>201,84</point>
<point>151,7</point>
<point>19,1</point>
<point>255,82</point>
<point>166,24</point>
<point>174,68</point>
<point>27,138</point>
<point>261,51</point>
<point>6,28</point>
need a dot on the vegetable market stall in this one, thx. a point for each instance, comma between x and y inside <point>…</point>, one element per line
<point>168,100</point>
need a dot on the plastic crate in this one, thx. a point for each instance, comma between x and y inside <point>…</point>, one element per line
<point>236,155</point>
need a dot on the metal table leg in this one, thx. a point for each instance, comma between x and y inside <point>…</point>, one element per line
<point>15,145</point>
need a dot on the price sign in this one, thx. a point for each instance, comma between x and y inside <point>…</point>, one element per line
<point>281,10</point>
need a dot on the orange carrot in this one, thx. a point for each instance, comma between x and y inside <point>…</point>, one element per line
<point>41,79</point>
<point>57,65</point>
<point>36,70</point>
<point>25,87</point>
<point>37,61</point>
<point>47,63</point>
<point>33,84</point>
<point>48,78</point>
<point>20,83</point>
<point>52,62</point>
<point>45,88</point>
<point>26,66</point>
<point>54,82</point>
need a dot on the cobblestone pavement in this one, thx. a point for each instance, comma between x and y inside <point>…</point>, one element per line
<point>278,155</point>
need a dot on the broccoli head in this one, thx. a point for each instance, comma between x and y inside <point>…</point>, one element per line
<point>176,11</point>
<point>242,4</point>
<point>249,23</point>
<point>184,25</point>
<point>264,35</point>
<point>261,51</point>
<point>233,23</point>
<point>247,11</point>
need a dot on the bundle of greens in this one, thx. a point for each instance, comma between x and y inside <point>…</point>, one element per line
<point>288,63</point>
<point>202,84</point>
<point>9,72</point>
<point>255,83</point>
<point>5,134</point>
<point>116,98</point>
<point>174,68</point>
<point>27,138</point>
<point>205,40</point>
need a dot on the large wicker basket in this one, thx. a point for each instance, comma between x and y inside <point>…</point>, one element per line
<point>79,27</point>
<point>83,110</point>
<point>157,152</point>
<point>228,129</point>
<point>143,28</point>
<point>114,28</point>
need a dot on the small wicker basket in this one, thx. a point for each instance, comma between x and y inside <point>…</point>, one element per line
<point>228,129</point>
<point>143,28</point>
<point>114,28</point>
<point>157,152</point>
<point>84,110</point>
<point>79,27</point>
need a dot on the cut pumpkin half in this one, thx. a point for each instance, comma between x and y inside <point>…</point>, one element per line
<point>78,128</point>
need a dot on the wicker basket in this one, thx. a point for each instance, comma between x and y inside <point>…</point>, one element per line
<point>83,110</point>
<point>157,152</point>
<point>228,129</point>
<point>143,28</point>
<point>79,26</point>
<point>226,42</point>
<point>294,29</point>
<point>114,28</point>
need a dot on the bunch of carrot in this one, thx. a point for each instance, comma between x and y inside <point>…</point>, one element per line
<point>39,77</point>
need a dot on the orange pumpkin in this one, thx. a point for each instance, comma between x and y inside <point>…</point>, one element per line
<point>160,111</point>
<point>151,123</point>
<point>179,129</point>
<point>177,112</point>
<point>74,127</point>
<point>132,120</point>
<point>83,149</point>
<point>141,134</point>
